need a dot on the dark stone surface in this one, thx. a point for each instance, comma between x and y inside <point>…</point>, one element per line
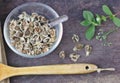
<point>101,56</point>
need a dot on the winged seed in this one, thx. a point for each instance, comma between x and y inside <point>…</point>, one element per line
<point>62,54</point>
<point>74,57</point>
<point>75,38</point>
<point>88,49</point>
<point>78,47</point>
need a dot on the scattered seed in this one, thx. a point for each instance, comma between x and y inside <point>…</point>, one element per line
<point>62,54</point>
<point>74,57</point>
<point>75,38</point>
<point>78,47</point>
<point>88,49</point>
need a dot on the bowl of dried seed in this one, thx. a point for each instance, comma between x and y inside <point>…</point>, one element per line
<point>27,33</point>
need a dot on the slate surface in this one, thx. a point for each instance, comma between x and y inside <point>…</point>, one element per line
<point>101,56</point>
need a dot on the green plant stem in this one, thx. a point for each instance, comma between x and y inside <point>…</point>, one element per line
<point>101,25</point>
<point>113,15</point>
<point>94,23</point>
<point>111,31</point>
<point>107,33</point>
<point>117,13</point>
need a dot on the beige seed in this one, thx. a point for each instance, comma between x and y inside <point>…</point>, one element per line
<point>74,57</point>
<point>88,49</point>
<point>75,38</point>
<point>78,47</point>
<point>62,54</point>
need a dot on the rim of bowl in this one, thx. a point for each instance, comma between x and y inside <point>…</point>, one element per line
<point>39,55</point>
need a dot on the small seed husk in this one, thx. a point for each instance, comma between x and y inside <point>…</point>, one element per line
<point>75,38</point>
<point>62,54</point>
<point>88,49</point>
<point>78,47</point>
<point>74,57</point>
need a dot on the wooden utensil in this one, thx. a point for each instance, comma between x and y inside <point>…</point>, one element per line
<point>83,68</point>
<point>2,54</point>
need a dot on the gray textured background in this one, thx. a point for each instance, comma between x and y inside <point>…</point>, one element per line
<point>101,56</point>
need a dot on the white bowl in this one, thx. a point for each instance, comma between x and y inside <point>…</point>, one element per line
<point>41,9</point>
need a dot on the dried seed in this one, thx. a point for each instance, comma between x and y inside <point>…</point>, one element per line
<point>51,39</point>
<point>18,34</point>
<point>75,38</point>
<point>25,51</point>
<point>17,28</point>
<point>13,24</point>
<point>62,54</point>
<point>88,49</point>
<point>37,29</point>
<point>27,33</point>
<point>45,49</point>
<point>74,57</point>
<point>52,32</point>
<point>78,47</point>
<point>16,39</point>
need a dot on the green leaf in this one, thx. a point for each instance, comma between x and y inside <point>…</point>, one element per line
<point>85,23</point>
<point>116,21</point>
<point>106,10</point>
<point>98,19</point>
<point>103,18</point>
<point>88,15</point>
<point>90,32</point>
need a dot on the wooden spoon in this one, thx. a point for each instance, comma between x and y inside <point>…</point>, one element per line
<point>84,68</point>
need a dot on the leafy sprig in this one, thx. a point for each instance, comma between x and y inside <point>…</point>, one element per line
<point>102,36</point>
<point>91,21</point>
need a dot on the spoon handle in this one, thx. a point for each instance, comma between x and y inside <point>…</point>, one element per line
<point>58,20</point>
<point>56,69</point>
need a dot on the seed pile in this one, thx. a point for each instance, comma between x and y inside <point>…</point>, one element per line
<point>30,34</point>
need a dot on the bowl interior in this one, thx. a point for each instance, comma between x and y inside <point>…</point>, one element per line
<point>29,8</point>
